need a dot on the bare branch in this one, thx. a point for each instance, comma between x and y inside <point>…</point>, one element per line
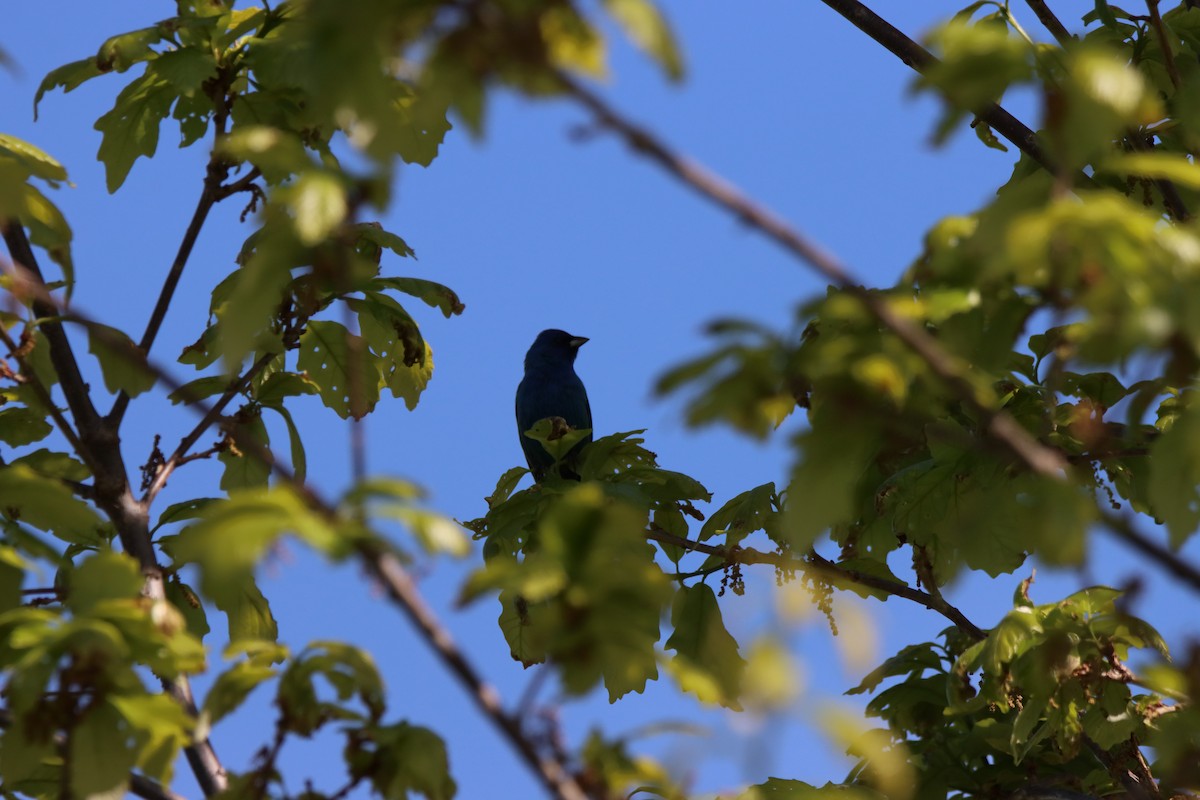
<point>1122,528</point>
<point>1050,22</point>
<point>920,60</point>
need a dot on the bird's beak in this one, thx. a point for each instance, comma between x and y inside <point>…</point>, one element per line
<point>578,341</point>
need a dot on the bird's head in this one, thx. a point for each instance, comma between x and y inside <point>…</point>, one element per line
<point>554,346</point>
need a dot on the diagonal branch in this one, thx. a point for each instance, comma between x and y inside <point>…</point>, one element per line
<point>1050,22</point>
<point>43,394</point>
<point>1001,426</point>
<point>211,415</point>
<point>998,425</point>
<point>208,197</point>
<point>552,772</point>
<point>74,388</point>
<point>99,447</point>
<point>921,59</point>
<point>996,117</point>
<point>829,570</point>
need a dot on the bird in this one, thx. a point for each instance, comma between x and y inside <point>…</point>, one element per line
<point>551,388</point>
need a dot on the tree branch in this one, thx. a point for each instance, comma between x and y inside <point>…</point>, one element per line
<point>66,367</point>
<point>554,775</point>
<point>211,415</point>
<point>208,197</point>
<point>99,447</point>
<point>828,569</point>
<point>1164,42</point>
<point>139,785</point>
<point>993,114</point>
<point>1001,426</point>
<point>1050,22</point>
<point>998,425</point>
<point>1121,528</point>
<point>921,59</point>
<point>43,394</point>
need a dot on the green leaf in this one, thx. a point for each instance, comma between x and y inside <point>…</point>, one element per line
<point>199,389</point>
<point>432,294</point>
<point>372,233</point>
<point>181,596</point>
<point>278,154</point>
<point>233,686</point>
<point>99,761</point>
<point>130,129</point>
<point>48,505</point>
<point>248,612</point>
<point>105,576</point>
<point>68,76</point>
<point>281,385</point>
<point>825,483</point>
<point>244,468</point>
<point>750,511</point>
<point>161,727</point>
<point>299,460</point>
<point>120,52</point>
<point>12,577</point>
<point>404,758</point>
<point>122,362</point>
<point>643,22</point>
<point>707,663</point>
<point>186,69</point>
<point>1174,465</point>
<point>34,160</point>
<point>54,465</point>
<point>21,426</point>
<point>404,370</point>
<point>1156,165</point>
<point>231,537</point>
<point>342,366</point>
<point>183,510</point>
<point>23,756</point>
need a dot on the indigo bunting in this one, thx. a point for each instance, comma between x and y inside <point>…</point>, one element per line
<point>551,388</point>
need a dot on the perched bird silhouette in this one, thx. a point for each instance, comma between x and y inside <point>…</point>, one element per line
<point>551,388</point>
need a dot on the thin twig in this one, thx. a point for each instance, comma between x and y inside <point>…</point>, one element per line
<point>66,367</point>
<point>211,415</point>
<point>1050,22</point>
<point>829,569</point>
<point>387,569</point>
<point>208,196</point>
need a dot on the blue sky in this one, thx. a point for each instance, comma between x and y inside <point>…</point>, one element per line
<point>534,229</point>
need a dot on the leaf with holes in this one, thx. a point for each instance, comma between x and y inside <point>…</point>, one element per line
<point>342,366</point>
